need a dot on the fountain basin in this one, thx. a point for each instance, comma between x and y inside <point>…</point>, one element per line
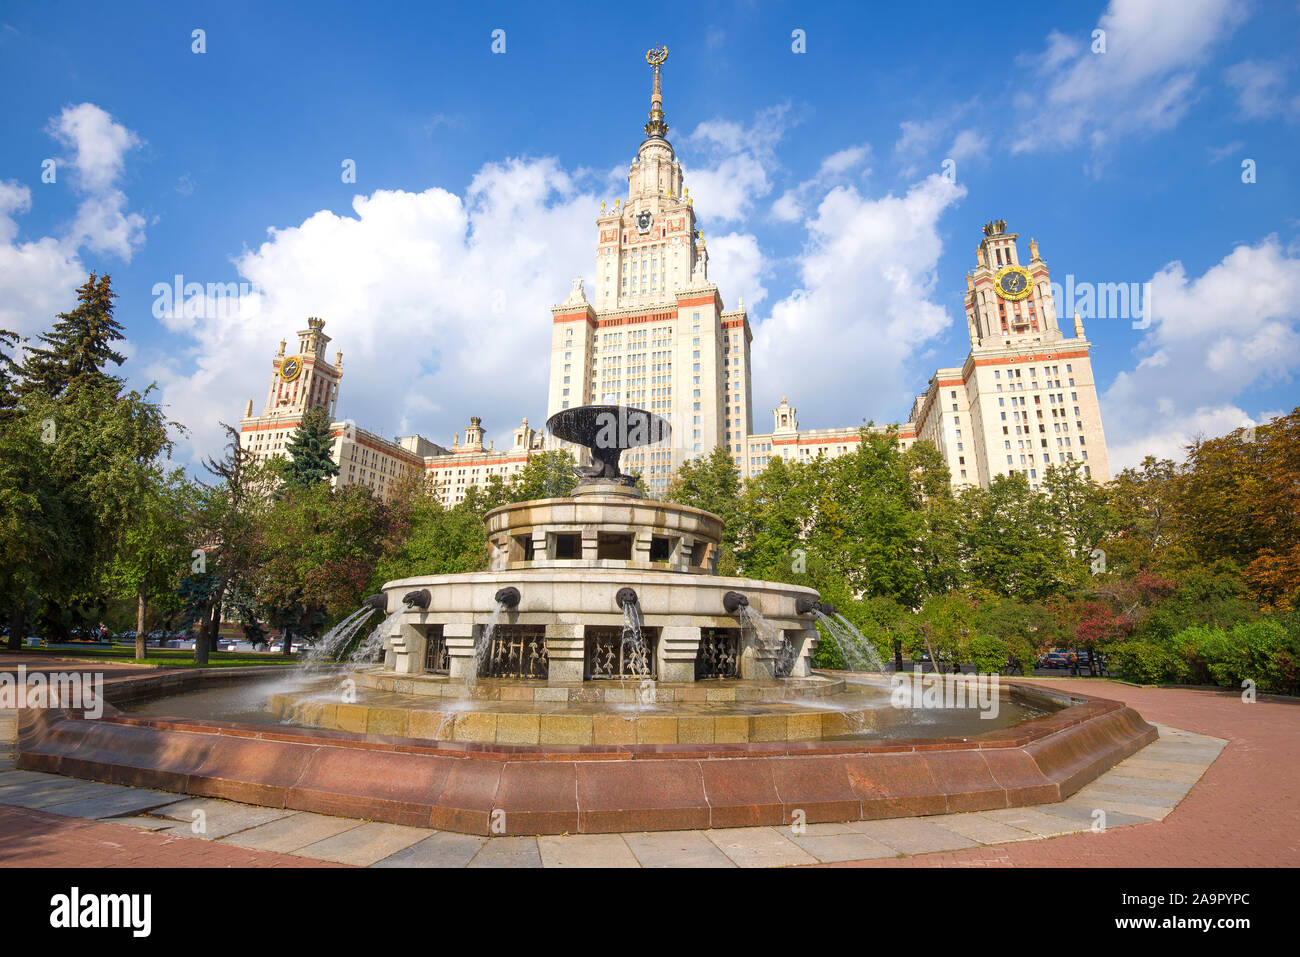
<point>495,788</point>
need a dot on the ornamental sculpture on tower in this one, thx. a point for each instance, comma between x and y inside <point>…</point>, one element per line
<point>657,126</point>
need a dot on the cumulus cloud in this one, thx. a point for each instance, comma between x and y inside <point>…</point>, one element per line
<point>843,344</point>
<point>99,145</point>
<point>840,168</point>
<point>738,163</point>
<point>1211,339</point>
<point>440,304</point>
<point>740,267</point>
<point>38,276</point>
<point>1144,81</point>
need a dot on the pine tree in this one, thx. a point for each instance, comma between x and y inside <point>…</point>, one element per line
<point>9,342</point>
<point>79,346</point>
<point>309,450</point>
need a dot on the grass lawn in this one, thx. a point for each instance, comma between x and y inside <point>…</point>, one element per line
<point>166,657</point>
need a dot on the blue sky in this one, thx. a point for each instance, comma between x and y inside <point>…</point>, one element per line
<point>817,177</point>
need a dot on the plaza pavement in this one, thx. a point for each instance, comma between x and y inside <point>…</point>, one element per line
<point>1218,788</point>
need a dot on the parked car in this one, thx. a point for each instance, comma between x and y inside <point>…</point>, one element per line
<point>1055,659</point>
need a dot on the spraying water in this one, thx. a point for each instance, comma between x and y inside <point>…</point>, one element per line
<point>372,647</point>
<point>858,653</point>
<point>334,642</point>
<point>635,651</point>
<point>483,647</point>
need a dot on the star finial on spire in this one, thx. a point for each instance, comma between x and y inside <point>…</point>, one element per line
<point>657,125</point>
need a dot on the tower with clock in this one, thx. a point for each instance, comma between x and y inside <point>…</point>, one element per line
<point>1025,399</point>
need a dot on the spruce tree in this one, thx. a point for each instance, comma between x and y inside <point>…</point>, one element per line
<point>9,369</point>
<point>79,346</point>
<point>309,451</point>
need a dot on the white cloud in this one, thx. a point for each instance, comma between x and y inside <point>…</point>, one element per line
<point>740,267</point>
<point>1261,91</point>
<point>738,163</point>
<point>1143,82</point>
<point>839,169</point>
<point>440,304</point>
<point>1211,339</point>
<point>38,276</point>
<point>839,346</point>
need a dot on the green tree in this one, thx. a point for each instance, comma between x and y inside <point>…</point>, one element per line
<point>79,345</point>
<point>153,543</point>
<point>310,447</point>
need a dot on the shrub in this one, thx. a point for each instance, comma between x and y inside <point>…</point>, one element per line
<point>1146,663</point>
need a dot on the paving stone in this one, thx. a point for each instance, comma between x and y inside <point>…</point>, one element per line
<point>759,847</point>
<point>1113,806</point>
<point>1036,822</point>
<point>128,801</point>
<point>976,827</point>
<point>443,849</point>
<point>1179,771</point>
<point>290,834</point>
<point>676,849</point>
<point>42,796</point>
<point>913,835</point>
<point>1078,812</point>
<point>851,846</point>
<point>365,844</point>
<point>145,823</point>
<point>508,852</point>
<point>219,818</point>
<point>585,850</point>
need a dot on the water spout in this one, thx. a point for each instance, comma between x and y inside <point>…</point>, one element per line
<point>417,599</point>
<point>377,602</point>
<point>625,597</point>
<point>508,596</point>
<point>734,600</point>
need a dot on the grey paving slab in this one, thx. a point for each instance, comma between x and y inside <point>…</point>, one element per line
<point>42,796</point>
<point>1036,822</point>
<point>676,849</point>
<point>1078,812</point>
<point>132,801</point>
<point>975,827</point>
<point>508,852</point>
<point>365,844</point>
<point>1102,797</point>
<point>585,850</point>
<point>914,835</point>
<point>443,849</point>
<point>759,847</point>
<point>144,822</point>
<point>1179,771</point>
<point>851,846</point>
<point>1115,806</point>
<point>292,833</point>
<point>213,819</point>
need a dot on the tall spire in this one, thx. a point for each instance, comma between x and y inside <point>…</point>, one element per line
<point>656,126</point>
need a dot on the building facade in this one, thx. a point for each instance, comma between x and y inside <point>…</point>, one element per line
<point>305,380</point>
<point>657,336</point>
<point>1025,398</point>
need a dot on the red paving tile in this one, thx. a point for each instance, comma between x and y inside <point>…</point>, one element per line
<point>1244,812</point>
<point>30,838</point>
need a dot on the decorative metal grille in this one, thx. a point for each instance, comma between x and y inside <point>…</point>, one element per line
<point>517,651</point>
<point>608,655</point>
<point>719,654</point>
<point>436,659</point>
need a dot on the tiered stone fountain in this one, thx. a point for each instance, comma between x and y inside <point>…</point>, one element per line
<point>600,677</point>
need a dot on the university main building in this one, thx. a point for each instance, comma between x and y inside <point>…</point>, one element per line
<point>658,336</point>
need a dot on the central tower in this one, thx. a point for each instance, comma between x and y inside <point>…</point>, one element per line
<point>656,336</point>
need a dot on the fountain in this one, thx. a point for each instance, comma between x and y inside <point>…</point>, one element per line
<point>600,676</point>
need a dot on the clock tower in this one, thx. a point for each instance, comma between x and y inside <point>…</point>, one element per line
<point>305,379</point>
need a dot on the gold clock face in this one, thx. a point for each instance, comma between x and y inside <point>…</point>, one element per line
<point>291,368</point>
<point>1012,282</point>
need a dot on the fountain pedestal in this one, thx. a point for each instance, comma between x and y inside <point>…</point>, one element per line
<point>458,637</point>
<point>564,653</point>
